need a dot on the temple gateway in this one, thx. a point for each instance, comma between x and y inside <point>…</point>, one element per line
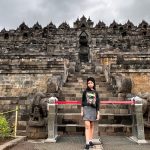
<point>37,63</point>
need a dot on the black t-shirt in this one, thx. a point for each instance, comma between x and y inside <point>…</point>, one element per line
<point>91,98</point>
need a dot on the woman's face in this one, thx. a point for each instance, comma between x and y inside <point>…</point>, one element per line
<point>90,84</point>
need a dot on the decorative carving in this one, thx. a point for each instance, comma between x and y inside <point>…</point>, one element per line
<point>51,26</point>
<point>100,25</point>
<point>83,23</point>
<point>129,25</point>
<point>3,30</point>
<point>23,27</point>
<point>37,26</point>
<point>121,83</point>
<point>38,111</point>
<point>143,25</point>
<point>64,26</point>
<point>120,59</point>
<point>114,25</point>
<point>54,84</point>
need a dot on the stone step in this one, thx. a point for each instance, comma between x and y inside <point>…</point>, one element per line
<point>85,75</point>
<point>66,88</point>
<point>76,84</point>
<point>67,116</point>
<point>102,97</point>
<point>21,133</point>
<point>89,75</point>
<point>77,113</point>
<point>55,65</point>
<point>80,88</point>
<point>116,98</point>
<point>70,98</point>
<point>114,111</point>
<point>100,125</point>
<point>84,79</point>
<point>86,68</point>
<point>80,94</point>
<point>22,125</point>
<point>75,109</point>
<point>58,62</point>
<point>114,125</point>
<point>68,95</point>
<point>73,90</point>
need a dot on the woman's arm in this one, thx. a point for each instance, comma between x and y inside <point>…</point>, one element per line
<point>97,102</point>
<point>98,115</point>
<point>82,103</point>
<point>97,106</point>
<point>81,111</point>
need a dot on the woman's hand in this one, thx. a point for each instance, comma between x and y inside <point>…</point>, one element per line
<point>98,116</point>
<point>81,113</point>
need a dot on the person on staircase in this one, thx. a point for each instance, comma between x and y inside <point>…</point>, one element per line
<point>90,110</point>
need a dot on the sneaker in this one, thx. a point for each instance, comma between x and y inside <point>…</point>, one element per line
<point>87,146</point>
<point>91,143</point>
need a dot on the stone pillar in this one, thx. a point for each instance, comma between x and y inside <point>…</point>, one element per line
<point>138,124</point>
<point>52,122</point>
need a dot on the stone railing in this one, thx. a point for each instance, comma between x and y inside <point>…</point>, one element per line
<point>137,122</point>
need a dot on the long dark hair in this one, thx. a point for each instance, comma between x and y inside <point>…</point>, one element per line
<point>93,80</point>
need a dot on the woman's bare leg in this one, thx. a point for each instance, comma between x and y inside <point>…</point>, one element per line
<point>87,131</point>
<point>91,130</point>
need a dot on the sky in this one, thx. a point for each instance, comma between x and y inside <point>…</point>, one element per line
<point>14,12</point>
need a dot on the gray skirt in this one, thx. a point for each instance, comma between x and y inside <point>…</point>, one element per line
<point>89,113</point>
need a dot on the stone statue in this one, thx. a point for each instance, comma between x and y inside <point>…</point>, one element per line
<point>38,110</point>
<point>120,59</point>
<point>121,84</point>
<point>51,86</point>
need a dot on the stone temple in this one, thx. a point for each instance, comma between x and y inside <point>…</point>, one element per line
<point>39,62</point>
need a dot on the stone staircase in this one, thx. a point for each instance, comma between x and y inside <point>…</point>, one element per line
<point>77,83</point>
<point>69,119</point>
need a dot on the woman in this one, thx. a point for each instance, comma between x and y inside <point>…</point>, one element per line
<point>90,110</point>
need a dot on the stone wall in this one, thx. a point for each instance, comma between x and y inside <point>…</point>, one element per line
<point>16,85</point>
<point>134,65</point>
<point>22,76</point>
<point>140,82</point>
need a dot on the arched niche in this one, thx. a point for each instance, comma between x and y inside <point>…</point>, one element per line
<point>124,34</point>
<point>144,33</point>
<point>83,47</point>
<point>25,35</point>
<point>6,36</point>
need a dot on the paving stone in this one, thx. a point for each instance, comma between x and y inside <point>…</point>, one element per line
<point>69,142</point>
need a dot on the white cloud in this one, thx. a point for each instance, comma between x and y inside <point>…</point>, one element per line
<point>14,12</point>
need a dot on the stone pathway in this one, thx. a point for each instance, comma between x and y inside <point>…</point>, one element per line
<point>121,143</point>
<point>68,142</point>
